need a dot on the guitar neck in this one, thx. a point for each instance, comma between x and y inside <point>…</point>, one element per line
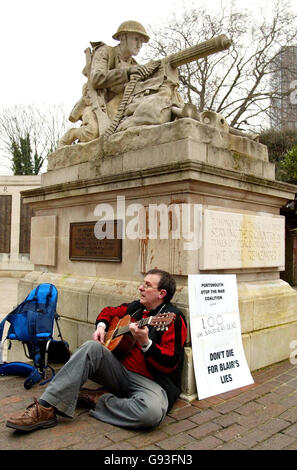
<point>125,329</point>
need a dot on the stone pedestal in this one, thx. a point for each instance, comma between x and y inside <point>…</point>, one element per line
<point>235,227</point>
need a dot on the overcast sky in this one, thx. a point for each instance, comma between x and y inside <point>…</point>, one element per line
<point>42,42</point>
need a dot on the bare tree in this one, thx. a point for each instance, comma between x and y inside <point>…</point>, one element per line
<point>235,83</point>
<point>34,128</point>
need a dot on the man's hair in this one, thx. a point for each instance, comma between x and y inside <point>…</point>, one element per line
<point>166,282</point>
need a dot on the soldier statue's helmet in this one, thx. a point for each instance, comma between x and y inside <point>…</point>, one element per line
<point>131,27</point>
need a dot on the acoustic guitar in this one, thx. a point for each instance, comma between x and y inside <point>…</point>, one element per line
<point>119,339</point>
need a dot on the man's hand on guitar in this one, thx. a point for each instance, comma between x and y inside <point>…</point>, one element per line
<point>99,334</point>
<point>140,334</point>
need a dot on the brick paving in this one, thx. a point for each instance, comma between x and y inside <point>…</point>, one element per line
<point>262,416</point>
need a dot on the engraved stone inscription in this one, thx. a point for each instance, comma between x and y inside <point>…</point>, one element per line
<point>232,240</point>
<point>84,246</point>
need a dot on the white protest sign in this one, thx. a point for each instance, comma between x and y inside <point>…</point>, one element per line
<point>219,360</point>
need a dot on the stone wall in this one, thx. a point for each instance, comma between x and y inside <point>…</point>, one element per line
<point>15,262</point>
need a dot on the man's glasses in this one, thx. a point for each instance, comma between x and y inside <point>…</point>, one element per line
<point>146,286</point>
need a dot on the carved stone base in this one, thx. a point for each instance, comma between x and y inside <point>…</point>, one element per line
<point>148,146</point>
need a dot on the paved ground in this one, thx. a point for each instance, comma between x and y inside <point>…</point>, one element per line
<point>259,417</point>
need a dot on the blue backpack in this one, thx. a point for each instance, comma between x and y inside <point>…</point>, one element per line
<point>32,323</point>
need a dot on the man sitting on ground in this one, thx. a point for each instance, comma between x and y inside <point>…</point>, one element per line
<point>142,385</point>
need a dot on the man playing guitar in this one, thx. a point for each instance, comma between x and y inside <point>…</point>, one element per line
<point>142,380</point>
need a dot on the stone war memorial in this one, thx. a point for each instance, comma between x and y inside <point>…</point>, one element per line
<point>145,181</point>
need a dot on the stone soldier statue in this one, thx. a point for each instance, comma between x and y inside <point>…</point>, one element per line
<point>120,93</point>
<point>154,93</point>
<point>109,70</point>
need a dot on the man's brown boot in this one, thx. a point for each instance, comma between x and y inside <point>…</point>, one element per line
<point>88,398</point>
<point>34,417</point>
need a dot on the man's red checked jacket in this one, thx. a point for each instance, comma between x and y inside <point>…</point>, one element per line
<point>163,361</point>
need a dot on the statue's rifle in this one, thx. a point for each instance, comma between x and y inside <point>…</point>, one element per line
<point>199,51</point>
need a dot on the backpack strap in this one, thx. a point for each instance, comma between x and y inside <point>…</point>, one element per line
<point>36,293</point>
<point>33,379</point>
<point>50,378</point>
<point>35,297</point>
<point>48,297</point>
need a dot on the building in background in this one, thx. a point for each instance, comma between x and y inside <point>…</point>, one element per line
<point>284,78</point>
<point>15,225</point>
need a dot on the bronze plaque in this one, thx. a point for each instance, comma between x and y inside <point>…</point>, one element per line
<point>85,246</point>
<point>5,223</point>
<point>25,227</point>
